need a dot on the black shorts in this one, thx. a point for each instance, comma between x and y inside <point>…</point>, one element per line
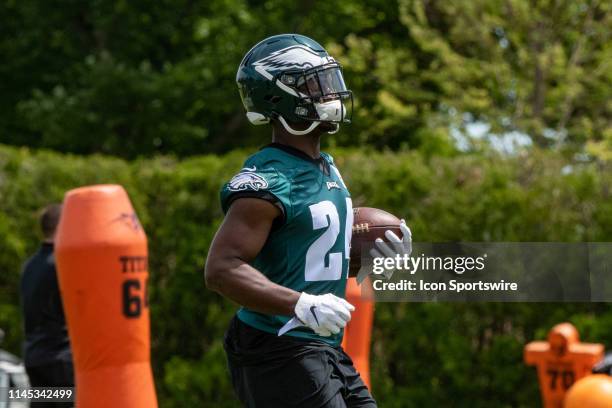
<point>270,371</point>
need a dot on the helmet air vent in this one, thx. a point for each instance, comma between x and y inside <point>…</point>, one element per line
<point>288,79</point>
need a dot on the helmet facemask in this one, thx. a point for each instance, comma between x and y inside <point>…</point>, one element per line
<point>321,94</point>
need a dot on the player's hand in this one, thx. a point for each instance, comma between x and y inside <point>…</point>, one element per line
<point>324,314</point>
<point>395,246</point>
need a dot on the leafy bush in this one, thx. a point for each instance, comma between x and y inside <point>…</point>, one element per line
<point>423,354</point>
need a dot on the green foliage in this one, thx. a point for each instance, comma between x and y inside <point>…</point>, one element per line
<point>139,77</point>
<point>519,64</point>
<point>423,354</point>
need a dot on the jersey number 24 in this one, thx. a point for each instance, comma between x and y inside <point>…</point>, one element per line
<point>325,215</point>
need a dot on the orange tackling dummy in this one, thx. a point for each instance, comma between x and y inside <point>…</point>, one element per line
<point>561,361</point>
<point>101,256</point>
<point>358,332</point>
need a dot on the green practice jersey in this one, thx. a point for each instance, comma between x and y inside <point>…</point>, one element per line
<point>308,248</point>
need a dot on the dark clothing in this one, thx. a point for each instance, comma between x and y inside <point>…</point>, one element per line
<point>46,336</point>
<point>58,374</point>
<point>271,371</point>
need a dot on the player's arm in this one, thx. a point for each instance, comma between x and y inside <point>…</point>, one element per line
<point>238,241</point>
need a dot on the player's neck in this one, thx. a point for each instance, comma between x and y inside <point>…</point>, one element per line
<point>309,144</point>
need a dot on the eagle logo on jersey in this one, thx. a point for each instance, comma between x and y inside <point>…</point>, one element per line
<point>295,57</point>
<point>247,179</point>
<point>332,184</point>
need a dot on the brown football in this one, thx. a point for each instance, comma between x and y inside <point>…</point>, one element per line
<point>369,224</point>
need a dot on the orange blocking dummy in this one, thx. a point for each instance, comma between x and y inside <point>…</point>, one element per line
<point>561,361</point>
<point>101,256</point>
<point>358,332</point>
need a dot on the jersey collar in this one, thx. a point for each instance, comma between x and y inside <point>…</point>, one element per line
<point>320,161</point>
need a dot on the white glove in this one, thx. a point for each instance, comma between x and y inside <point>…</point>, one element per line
<point>395,245</point>
<point>324,314</point>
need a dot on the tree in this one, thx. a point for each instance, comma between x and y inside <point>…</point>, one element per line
<point>135,78</point>
<point>542,68</point>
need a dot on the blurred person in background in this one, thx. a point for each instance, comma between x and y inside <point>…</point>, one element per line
<point>47,355</point>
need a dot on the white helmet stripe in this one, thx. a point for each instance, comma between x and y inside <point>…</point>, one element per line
<point>289,90</point>
<point>263,71</point>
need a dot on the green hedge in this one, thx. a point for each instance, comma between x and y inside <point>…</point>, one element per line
<point>423,354</point>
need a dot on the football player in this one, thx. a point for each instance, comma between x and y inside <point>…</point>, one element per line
<point>282,251</point>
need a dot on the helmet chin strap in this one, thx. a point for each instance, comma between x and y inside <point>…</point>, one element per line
<point>297,132</point>
<point>331,132</point>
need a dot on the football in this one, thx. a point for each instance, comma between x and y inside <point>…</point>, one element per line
<point>369,224</point>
